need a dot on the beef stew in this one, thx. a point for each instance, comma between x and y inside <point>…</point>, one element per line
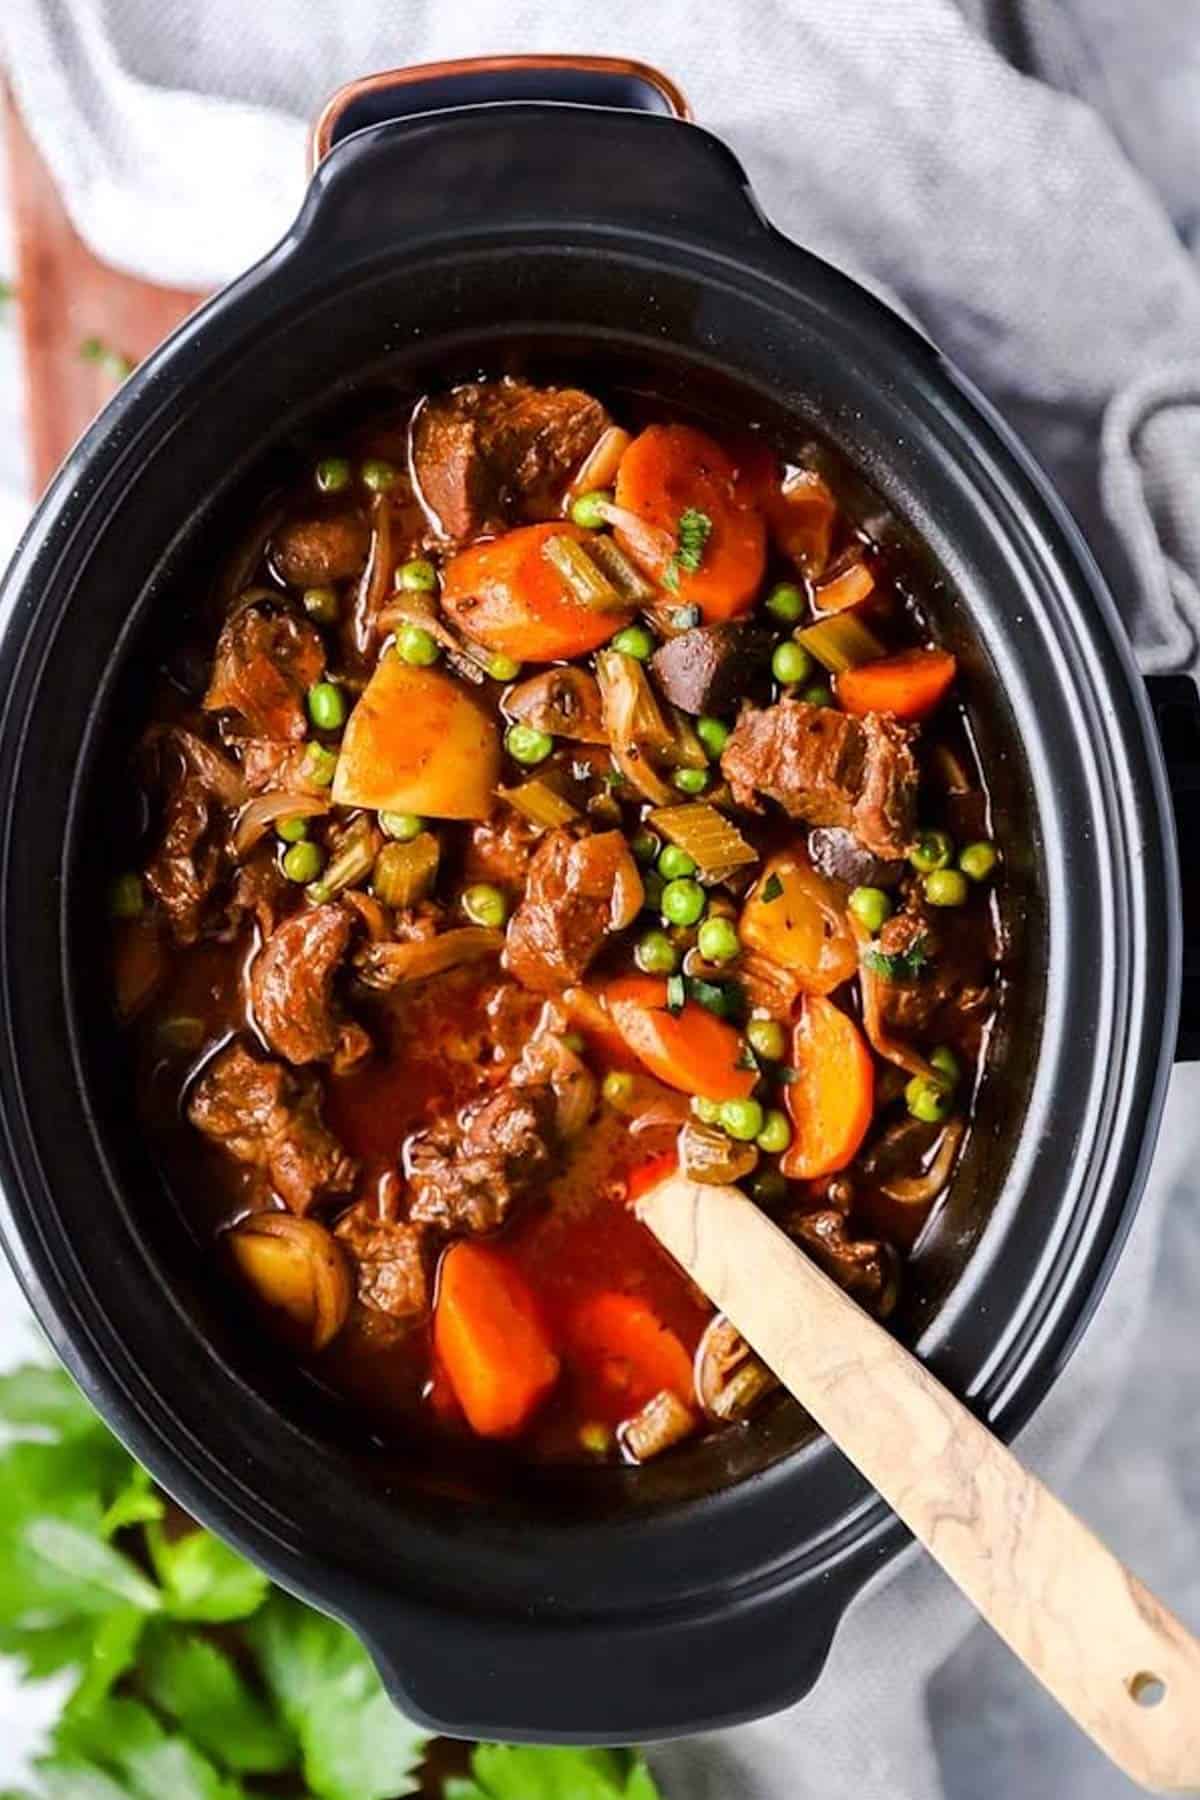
<point>547,795</point>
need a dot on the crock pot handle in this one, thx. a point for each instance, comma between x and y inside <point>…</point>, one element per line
<point>1176,705</point>
<point>485,80</point>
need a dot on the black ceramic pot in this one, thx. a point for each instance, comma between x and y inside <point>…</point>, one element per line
<point>622,246</point>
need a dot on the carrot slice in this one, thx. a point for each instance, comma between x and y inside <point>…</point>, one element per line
<point>669,470</point>
<point>799,507</point>
<point>691,1050</point>
<point>507,595</point>
<point>833,1094</point>
<point>625,1347</point>
<point>491,1341</point>
<point>908,685</point>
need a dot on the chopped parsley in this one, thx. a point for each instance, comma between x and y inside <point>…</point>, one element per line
<point>691,537</point>
<point>724,998</point>
<point>772,888</point>
<point>906,965</point>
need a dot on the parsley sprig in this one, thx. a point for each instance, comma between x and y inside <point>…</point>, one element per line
<point>691,539</point>
<point>194,1678</point>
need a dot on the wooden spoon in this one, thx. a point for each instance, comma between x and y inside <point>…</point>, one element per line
<point>1120,1663</point>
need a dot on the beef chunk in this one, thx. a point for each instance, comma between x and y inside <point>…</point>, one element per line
<point>866,1268</point>
<point>710,668</point>
<point>836,852</point>
<point>940,962</point>
<point>315,552</point>
<point>390,1259</point>
<point>500,850</point>
<point>260,889</point>
<point>186,867</point>
<point>578,890</point>
<point>266,660</point>
<point>495,450</point>
<point>827,768</point>
<point>269,764</point>
<point>270,1118</point>
<point>291,990</point>
<point>468,1170</point>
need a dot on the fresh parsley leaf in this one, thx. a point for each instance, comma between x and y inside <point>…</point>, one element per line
<point>724,998</point>
<point>136,1504</point>
<point>354,1743</point>
<point>676,995</point>
<point>204,1581</point>
<point>691,537</point>
<point>772,889</point>
<point>47,1400</point>
<point>67,1778</point>
<point>528,1772</point>
<point>111,1653</point>
<point>122,1737</point>
<point>904,966</point>
<point>196,1684</point>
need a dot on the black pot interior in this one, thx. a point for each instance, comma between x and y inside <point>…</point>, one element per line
<point>807,407</point>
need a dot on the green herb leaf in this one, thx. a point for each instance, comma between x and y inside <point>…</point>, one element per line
<point>772,888</point>
<point>113,363</point>
<point>724,998</point>
<point>355,1745</point>
<point>192,1681</point>
<point>136,1504</point>
<point>527,1772</point>
<point>111,1652</point>
<point>907,965</point>
<point>204,1581</point>
<point>691,537</point>
<point>122,1737</point>
<point>45,1398</point>
<point>66,1778</point>
<point>676,995</point>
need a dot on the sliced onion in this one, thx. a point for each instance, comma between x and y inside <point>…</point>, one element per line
<point>295,1267</point>
<point>257,816</point>
<point>387,965</point>
<point>921,1190</point>
<point>464,658</point>
<point>892,1049</point>
<point>599,467</point>
<point>648,545</point>
<point>376,577</point>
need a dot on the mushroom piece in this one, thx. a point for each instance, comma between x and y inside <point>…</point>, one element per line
<point>663,1421</point>
<point>730,1379</point>
<point>294,1267</point>
<point>563,702</point>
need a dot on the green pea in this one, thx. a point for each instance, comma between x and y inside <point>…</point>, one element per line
<point>674,862</point>
<point>946,1063</point>
<point>819,694</point>
<point>126,896</point>
<point>707,1111</point>
<point>327,706</point>
<point>333,474</point>
<point>417,646</point>
<point>320,765</point>
<point>526,744</point>
<point>682,902</point>
<point>927,1099</point>
<point>292,831</point>
<point>485,904</point>
<point>321,604</point>
<point>932,850</point>
<point>417,576</point>
<point>635,641</point>
<point>713,735</point>
<point>404,827</point>
<point>690,781</point>
<point>791,663</point>
<point>767,1038</point>
<point>645,846</point>
<point>653,887</point>
<point>870,906</point>
<point>769,1189</point>
<point>946,887</point>
<point>742,1119</point>
<point>776,1133</point>
<point>588,509</point>
<point>785,602</point>
<point>303,862</point>
<point>618,1088</point>
<point>503,668</point>
<point>379,475</point>
<point>656,954</point>
<point>717,941</point>
<point>977,860</point>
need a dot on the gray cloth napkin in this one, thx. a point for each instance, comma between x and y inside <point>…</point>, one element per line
<point>1020,178</point>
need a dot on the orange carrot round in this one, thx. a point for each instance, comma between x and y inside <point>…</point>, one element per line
<point>691,1050</point>
<point>490,1340</point>
<point>832,1096</point>
<point>623,1344</point>
<point>506,595</point>
<point>908,685</point>
<point>670,470</point>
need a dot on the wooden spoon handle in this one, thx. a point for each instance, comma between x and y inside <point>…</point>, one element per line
<point>1121,1664</point>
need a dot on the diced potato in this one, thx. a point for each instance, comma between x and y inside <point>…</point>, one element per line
<point>418,743</point>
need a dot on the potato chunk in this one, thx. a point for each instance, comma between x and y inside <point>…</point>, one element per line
<point>417,742</point>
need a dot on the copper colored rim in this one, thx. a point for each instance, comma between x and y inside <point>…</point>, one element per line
<point>320,138</point>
